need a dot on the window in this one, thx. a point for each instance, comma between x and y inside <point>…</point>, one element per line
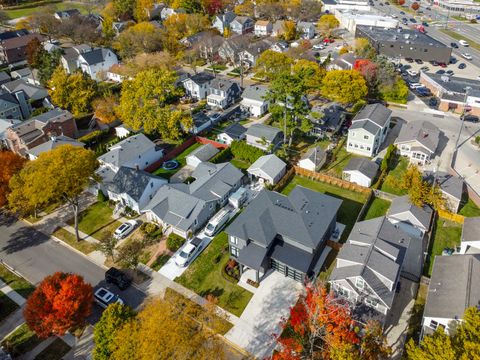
<point>361,147</point>
<point>433,324</point>
<point>368,148</point>
<point>151,185</point>
<point>234,251</point>
<point>356,145</point>
<point>234,240</point>
<point>366,137</point>
<point>371,302</point>
<point>342,292</point>
<point>360,283</point>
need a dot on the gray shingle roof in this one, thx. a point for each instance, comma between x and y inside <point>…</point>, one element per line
<point>402,204</point>
<point>235,131</point>
<point>316,155</point>
<point>454,286</point>
<point>303,217</point>
<point>376,113</point>
<point>213,181</point>
<point>450,184</point>
<point>53,144</point>
<point>95,56</point>
<point>271,165</point>
<point>263,131</point>
<point>364,166</point>
<point>32,92</point>
<point>201,78</point>
<point>204,152</point>
<point>255,92</point>
<point>127,150</point>
<point>223,84</point>
<point>424,132</point>
<point>471,229</point>
<point>130,181</point>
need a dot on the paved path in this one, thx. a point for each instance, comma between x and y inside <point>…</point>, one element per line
<point>12,294</point>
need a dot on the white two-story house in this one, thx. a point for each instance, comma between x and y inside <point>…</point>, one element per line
<point>369,129</point>
<point>197,86</point>
<point>97,62</point>
<point>242,25</point>
<point>255,100</point>
<point>263,28</point>
<point>223,93</point>
<point>222,22</point>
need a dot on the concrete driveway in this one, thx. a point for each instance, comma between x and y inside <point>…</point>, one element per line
<point>260,321</point>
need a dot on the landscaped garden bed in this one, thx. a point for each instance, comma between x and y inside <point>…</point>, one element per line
<point>21,341</point>
<point>204,276</point>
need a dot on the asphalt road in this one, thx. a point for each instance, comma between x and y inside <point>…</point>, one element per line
<point>35,255</point>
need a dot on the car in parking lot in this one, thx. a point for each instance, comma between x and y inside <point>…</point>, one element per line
<point>412,20</point>
<point>433,101</point>
<point>470,118</point>
<point>412,73</point>
<point>428,8</point>
<point>415,86</point>
<point>402,12</point>
<point>104,297</point>
<point>318,47</point>
<point>328,41</point>
<point>454,45</point>
<point>424,23</point>
<point>188,252</point>
<point>124,229</point>
<point>462,66</point>
<point>463,43</point>
<point>424,68</point>
<point>453,60</point>
<point>117,277</point>
<point>449,72</point>
<point>442,65</point>
<point>467,56</point>
<point>418,61</point>
<point>423,91</point>
<point>409,60</point>
<point>440,72</point>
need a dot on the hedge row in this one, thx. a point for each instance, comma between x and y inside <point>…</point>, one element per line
<point>222,156</point>
<point>243,151</point>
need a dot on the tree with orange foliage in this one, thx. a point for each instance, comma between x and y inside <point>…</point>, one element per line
<point>401,2</point>
<point>60,302</point>
<point>11,164</point>
<point>415,6</point>
<point>104,109</point>
<point>321,327</point>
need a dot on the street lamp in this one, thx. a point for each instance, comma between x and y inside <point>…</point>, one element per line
<point>467,90</point>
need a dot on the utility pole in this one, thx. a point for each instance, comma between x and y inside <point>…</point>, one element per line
<point>467,90</point>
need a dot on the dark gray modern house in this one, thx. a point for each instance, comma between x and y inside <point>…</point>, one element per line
<point>284,233</point>
<point>405,43</point>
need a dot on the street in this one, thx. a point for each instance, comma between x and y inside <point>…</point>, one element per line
<point>35,255</point>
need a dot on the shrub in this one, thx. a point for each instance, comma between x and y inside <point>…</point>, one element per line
<point>93,137</point>
<point>149,228</point>
<point>222,156</point>
<point>101,196</point>
<point>174,242</point>
<point>358,106</point>
<point>242,151</point>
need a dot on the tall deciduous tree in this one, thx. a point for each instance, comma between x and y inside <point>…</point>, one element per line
<point>140,38</point>
<point>60,302</point>
<point>112,320</point>
<point>11,164</point>
<point>345,86</point>
<point>144,102</point>
<point>327,23</point>
<point>33,52</point>
<point>289,30</point>
<point>104,109</point>
<point>415,6</point>
<point>167,330</point>
<point>270,63</point>
<point>310,73</point>
<point>61,174</point>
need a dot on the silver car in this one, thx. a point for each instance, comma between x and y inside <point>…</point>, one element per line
<point>104,297</point>
<point>124,229</point>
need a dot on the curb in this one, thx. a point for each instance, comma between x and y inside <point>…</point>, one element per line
<point>61,242</point>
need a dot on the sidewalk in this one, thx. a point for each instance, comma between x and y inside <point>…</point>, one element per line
<point>13,321</point>
<point>12,294</point>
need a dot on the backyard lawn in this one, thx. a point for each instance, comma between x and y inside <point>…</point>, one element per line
<point>351,205</point>
<point>97,221</point>
<point>446,235</point>
<point>341,160</point>
<point>16,13</point>
<point>182,160</point>
<point>82,245</point>
<point>470,209</point>
<point>20,285</point>
<point>240,164</point>
<point>205,277</point>
<point>21,341</point>
<point>390,183</point>
<point>378,207</point>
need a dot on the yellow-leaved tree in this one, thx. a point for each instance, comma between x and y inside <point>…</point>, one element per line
<point>344,86</point>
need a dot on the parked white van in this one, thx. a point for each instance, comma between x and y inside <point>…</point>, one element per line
<point>217,222</point>
<point>463,43</point>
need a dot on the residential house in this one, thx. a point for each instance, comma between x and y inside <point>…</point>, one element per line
<point>50,47</point>
<point>242,25</point>
<point>222,22</point>
<point>306,29</point>
<point>343,62</point>
<point>133,188</point>
<point>454,287</point>
<point>53,143</point>
<point>206,42</point>
<point>30,76</point>
<point>470,240</point>
<point>254,100</point>
<point>232,49</point>
<point>250,55</point>
<point>185,208</point>
<point>154,12</point>
<point>24,92</point>
<point>369,130</point>
<point>418,140</point>
<point>264,137</point>
<point>412,219</point>
<point>28,134</point>
<point>279,46</point>
<point>4,125</point>
<point>9,107</point>
<point>231,133</point>
<point>66,14</point>
<point>263,28</point>
<point>268,169</point>
<point>136,152</point>
<point>4,77</point>
<point>167,12</point>
<point>370,264</point>
<point>278,28</point>
<point>360,171</point>
<point>5,35</point>
<point>122,131</point>
<point>120,26</point>
<point>313,159</point>
<point>223,93</point>
<point>285,233</point>
<point>326,119</point>
<point>201,154</point>
<point>197,85</point>
<point>69,58</point>
<point>452,188</point>
<point>200,122</point>
<point>97,62</point>
<point>13,50</point>
<point>117,73</point>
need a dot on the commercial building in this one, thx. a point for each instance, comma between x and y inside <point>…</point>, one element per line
<point>405,43</point>
<point>350,19</point>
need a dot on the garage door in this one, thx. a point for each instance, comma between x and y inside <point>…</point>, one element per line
<point>287,271</point>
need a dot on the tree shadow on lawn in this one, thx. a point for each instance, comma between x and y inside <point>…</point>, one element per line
<point>347,214</point>
<point>216,292</point>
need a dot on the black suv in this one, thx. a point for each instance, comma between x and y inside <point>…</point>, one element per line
<point>117,277</point>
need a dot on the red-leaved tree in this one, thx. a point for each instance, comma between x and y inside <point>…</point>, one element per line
<point>368,69</point>
<point>10,164</point>
<point>415,6</point>
<point>60,302</point>
<point>401,2</point>
<point>321,327</point>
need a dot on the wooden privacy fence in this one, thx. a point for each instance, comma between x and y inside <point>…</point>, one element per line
<point>334,245</point>
<point>331,180</point>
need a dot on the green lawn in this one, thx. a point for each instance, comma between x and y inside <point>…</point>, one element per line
<point>204,276</point>
<point>182,160</point>
<point>21,341</point>
<point>390,184</point>
<point>457,36</point>
<point>82,245</point>
<point>470,209</point>
<point>16,13</point>
<point>351,205</point>
<point>446,235</point>
<point>97,221</point>
<point>378,207</point>
<point>416,315</point>
<point>240,164</point>
<point>55,351</point>
<point>341,160</point>
<point>20,285</point>
<point>7,306</point>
